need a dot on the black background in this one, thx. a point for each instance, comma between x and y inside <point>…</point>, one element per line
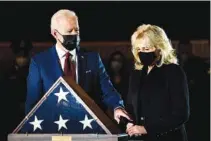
<point>106,21</point>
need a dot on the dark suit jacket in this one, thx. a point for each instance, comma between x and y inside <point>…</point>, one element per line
<point>45,69</point>
<point>163,103</point>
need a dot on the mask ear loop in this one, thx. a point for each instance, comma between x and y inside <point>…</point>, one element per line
<point>158,62</point>
<point>61,35</point>
<point>158,57</point>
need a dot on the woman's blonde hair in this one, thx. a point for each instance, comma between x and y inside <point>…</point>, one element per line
<point>158,39</point>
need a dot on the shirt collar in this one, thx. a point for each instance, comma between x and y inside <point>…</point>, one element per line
<point>61,53</point>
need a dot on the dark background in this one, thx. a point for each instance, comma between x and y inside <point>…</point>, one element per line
<point>109,21</point>
<point>105,21</point>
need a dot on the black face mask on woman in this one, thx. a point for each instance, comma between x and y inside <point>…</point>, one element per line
<point>147,58</point>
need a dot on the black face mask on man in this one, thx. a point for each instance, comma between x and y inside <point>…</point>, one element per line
<point>147,58</point>
<point>70,42</point>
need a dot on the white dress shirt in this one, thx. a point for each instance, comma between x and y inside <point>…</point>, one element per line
<point>61,54</point>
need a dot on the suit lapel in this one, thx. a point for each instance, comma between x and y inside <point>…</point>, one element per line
<point>82,63</point>
<point>136,89</point>
<point>56,63</point>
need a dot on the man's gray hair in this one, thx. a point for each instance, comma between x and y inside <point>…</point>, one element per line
<point>60,14</point>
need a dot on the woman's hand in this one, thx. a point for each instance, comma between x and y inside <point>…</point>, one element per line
<point>129,125</point>
<point>136,130</point>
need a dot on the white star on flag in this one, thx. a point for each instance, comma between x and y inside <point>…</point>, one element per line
<point>86,122</point>
<point>61,122</point>
<point>36,123</point>
<point>61,95</point>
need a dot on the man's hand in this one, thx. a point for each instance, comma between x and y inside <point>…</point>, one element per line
<point>120,112</point>
<point>136,130</point>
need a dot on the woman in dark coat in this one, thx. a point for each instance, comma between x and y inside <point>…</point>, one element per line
<point>158,98</point>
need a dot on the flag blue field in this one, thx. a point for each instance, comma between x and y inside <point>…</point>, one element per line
<point>60,110</point>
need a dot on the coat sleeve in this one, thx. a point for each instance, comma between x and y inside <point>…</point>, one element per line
<point>128,103</point>
<point>110,96</point>
<point>179,99</point>
<point>33,86</point>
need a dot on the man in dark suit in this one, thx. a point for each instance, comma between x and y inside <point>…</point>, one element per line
<point>66,58</point>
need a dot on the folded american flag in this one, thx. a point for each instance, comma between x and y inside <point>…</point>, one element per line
<point>61,110</point>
